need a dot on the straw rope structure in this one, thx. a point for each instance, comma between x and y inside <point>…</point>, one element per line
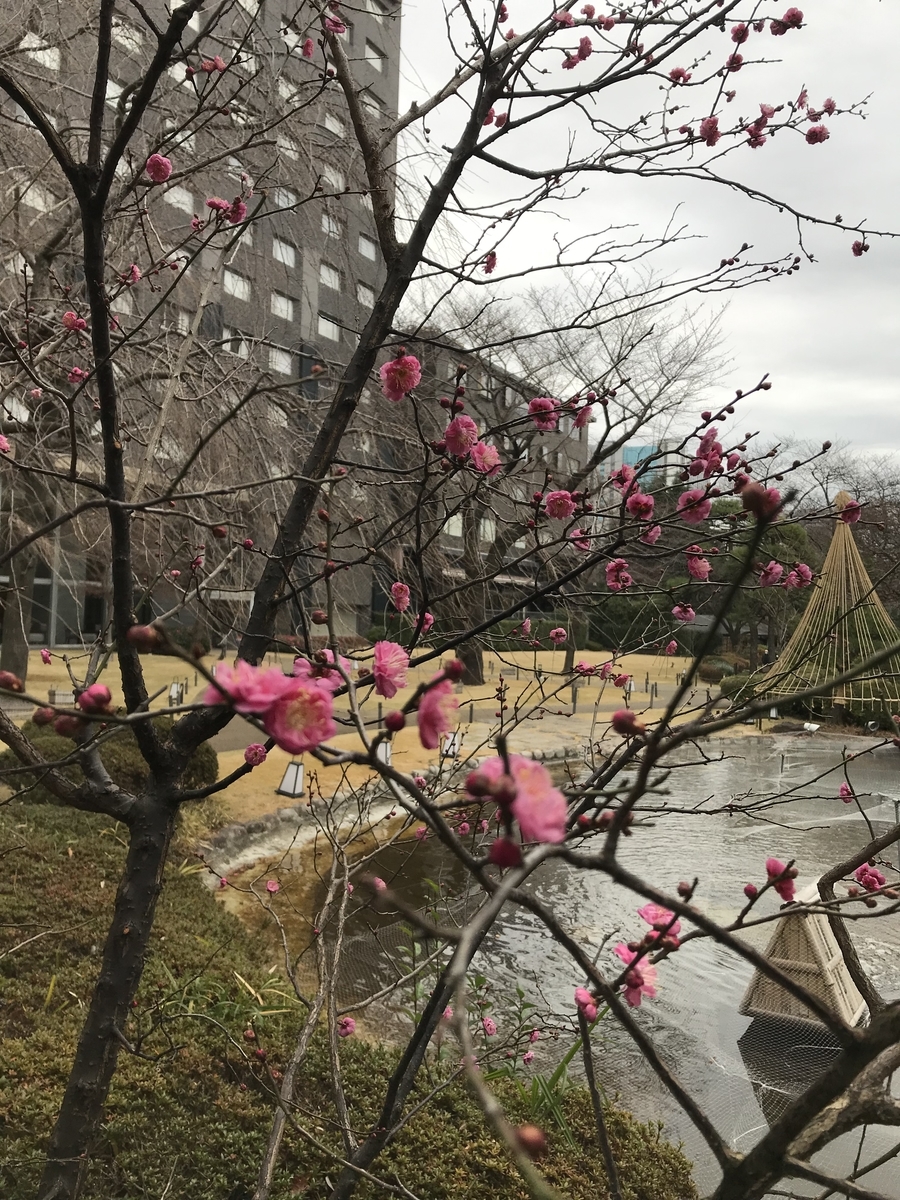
<point>844,623</point>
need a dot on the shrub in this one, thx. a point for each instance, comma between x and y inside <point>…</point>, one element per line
<point>196,1108</point>
<point>120,756</point>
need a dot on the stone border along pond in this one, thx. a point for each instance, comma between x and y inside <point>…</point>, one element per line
<point>242,843</point>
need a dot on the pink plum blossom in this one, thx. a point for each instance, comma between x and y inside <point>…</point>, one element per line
<point>95,698</point>
<point>851,512</point>
<point>302,719</point>
<point>771,574</point>
<point>640,506</point>
<point>584,1002</point>
<point>622,478</point>
<point>625,722</point>
<point>694,506</point>
<point>660,919</point>
<point>580,540</point>
<point>528,1058</point>
<point>437,712</point>
<point>539,806</point>
<point>783,883</point>
<point>333,25</point>
<point>583,417</point>
<point>709,130</point>
<point>640,981</point>
<point>671,647</point>
<point>800,577</point>
<point>346,1027</point>
<point>618,577</point>
<point>461,435</point>
<point>76,375</point>
<point>389,668</point>
<point>679,75</point>
<point>158,167</point>
<point>400,375</point>
<point>845,791</point>
<point>683,612</point>
<point>46,658</point>
<point>563,18</point>
<point>558,636</point>
<point>217,204</point>
<point>237,212</point>
<point>651,536</point>
<point>490,260</point>
<point>73,322</point>
<point>859,248</point>
<point>400,596</point>
<point>816,134</point>
<point>698,568</point>
<point>869,877</point>
<point>255,754</point>
<point>503,852</point>
<point>534,1036</point>
<point>427,623</point>
<point>544,412</point>
<point>308,48</point>
<point>249,689</point>
<point>272,886</point>
<point>485,458</point>
<point>378,884</point>
<point>489,1026</point>
<point>559,505</point>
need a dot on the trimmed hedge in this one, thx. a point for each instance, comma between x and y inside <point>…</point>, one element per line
<point>192,1118</point>
<point>120,756</point>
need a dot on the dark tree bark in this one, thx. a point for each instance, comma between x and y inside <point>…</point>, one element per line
<point>16,601</point>
<point>102,1035</point>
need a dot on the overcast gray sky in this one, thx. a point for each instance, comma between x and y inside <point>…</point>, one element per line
<point>828,335</point>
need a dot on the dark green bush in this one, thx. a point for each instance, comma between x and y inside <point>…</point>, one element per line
<point>191,1118</point>
<point>120,756</point>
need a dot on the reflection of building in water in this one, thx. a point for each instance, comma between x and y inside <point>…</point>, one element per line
<point>782,1058</point>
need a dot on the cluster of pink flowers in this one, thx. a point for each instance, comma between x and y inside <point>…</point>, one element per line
<point>73,322</point>
<point>389,668</point>
<point>559,505</point>
<point>679,75</point>
<point>781,878</point>
<point>640,981</point>
<point>400,596</point>
<point>296,712</point>
<point>617,575</point>
<point>622,479</point>
<point>662,922</point>
<point>400,375</point>
<point>232,211</point>
<point>708,458</point>
<point>528,794</point>
<point>584,51</point>
<point>544,412</point>
<point>709,130</point>
<point>771,574</point>
<point>869,877</point>
<point>792,19</point>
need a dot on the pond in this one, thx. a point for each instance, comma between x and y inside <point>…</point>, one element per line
<point>741,1072</point>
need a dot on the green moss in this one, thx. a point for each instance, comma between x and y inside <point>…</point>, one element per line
<point>191,1119</point>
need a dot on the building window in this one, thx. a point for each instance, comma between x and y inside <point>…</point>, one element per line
<point>374,56</point>
<point>454,525</point>
<point>284,252</point>
<point>329,277</point>
<point>123,303</point>
<point>40,50</point>
<point>331,226</point>
<point>237,342</point>
<point>290,36</point>
<point>281,360</point>
<point>37,197</point>
<point>368,248</point>
<point>334,125</point>
<point>334,179</point>
<point>328,328</point>
<point>372,103</point>
<point>287,90</point>
<point>365,295</point>
<point>288,146</point>
<point>113,92</point>
<point>487,529</point>
<point>180,139</point>
<point>236,285</point>
<point>375,11</point>
<point>285,198</point>
<point>246,61</point>
<point>180,197</point>
<point>282,306</point>
<point>180,319</point>
<point>126,35</point>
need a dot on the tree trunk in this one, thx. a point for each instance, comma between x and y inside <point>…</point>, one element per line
<point>471,656</point>
<point>753,648</point>
<point>16,599</point>
<point>82,1109</point>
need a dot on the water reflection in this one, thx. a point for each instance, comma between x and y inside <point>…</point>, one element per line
<point>742,1073</point>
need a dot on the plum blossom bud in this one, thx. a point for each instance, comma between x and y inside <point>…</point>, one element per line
<point>454,669</point>
<point>626,723</point>
<point>319,616</point>
<point>308,48</point>
<point>751,891</point>
<point>255,754</point>
<point>272,886</point>
<point>68,726</point>
<point>532,1139</point>
<point>43,716</point>
<point>395,721</point>
<point>505,853</point>
<point>158,168</point>
<point>346,1027</point>
<point>95,698</point>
